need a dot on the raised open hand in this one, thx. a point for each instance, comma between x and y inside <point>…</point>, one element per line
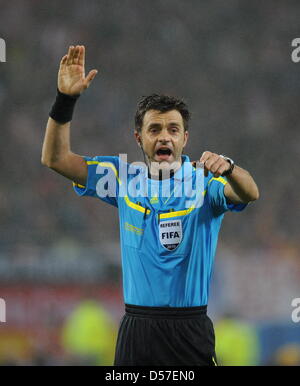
<point>71,75</point>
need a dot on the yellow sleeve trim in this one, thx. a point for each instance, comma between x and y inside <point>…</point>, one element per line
<point>79,186</point>
<point>103,164</point>
<point>106,165</point>
<point>220,179</point>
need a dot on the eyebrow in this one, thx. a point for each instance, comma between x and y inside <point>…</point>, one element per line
<point>154,125</point>
<point>158,125</point>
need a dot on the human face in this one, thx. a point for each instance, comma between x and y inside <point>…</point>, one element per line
<point>163,136</point>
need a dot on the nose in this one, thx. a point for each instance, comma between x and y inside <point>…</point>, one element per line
<point>164,136</point>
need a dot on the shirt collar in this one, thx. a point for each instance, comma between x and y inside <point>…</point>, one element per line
<point>185,172</point>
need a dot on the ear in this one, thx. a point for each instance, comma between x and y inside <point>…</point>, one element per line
<point>186,137</point>
<point>138,138</point>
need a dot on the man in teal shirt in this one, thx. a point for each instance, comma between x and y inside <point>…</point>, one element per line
<point>170,215</point>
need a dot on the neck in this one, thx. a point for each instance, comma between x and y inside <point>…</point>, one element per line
<point>162,175</point>
<point>156,172</point>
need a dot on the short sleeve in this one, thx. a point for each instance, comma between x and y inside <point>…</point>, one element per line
<point>217,198</point>
<point>103,179</point>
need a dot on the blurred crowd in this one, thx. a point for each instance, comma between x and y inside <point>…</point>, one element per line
<point>230,61</point>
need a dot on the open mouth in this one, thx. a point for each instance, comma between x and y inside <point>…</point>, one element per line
<point>163,153</point>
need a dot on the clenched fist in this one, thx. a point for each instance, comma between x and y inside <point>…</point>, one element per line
<point>214,163</point>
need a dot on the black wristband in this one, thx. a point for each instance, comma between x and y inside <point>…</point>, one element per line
<point>231,162</point>
<point>62,110</point>
<point>229,171</point>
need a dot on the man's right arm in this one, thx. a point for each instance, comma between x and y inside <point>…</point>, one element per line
<point>56,153</point>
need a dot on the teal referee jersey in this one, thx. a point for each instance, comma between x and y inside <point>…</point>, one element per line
<point>169,229</point>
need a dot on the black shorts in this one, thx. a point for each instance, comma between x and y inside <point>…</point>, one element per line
<point>165,336</point>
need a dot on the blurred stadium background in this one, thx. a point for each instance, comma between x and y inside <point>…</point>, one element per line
<point>59,255</point>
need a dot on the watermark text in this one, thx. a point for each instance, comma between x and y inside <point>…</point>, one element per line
<point>296,311</point>
<point>295,56</point>
<point>2,311</point>
<point>177,180</point>
<point>2,50</point>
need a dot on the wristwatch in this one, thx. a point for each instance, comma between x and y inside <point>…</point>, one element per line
<point>229,171</point>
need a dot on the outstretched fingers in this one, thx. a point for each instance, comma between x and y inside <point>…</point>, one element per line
<point>64,60</point>
<point>91,75</point>
<point>70,55</point>
<point>76,55</point>
<point>81,58</point>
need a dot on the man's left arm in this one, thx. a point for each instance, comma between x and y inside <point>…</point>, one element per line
<point>241,187</point>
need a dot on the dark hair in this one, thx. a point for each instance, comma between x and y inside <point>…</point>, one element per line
<point>162,103</point>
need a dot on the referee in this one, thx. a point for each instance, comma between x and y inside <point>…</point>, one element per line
<point>167,246</point>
